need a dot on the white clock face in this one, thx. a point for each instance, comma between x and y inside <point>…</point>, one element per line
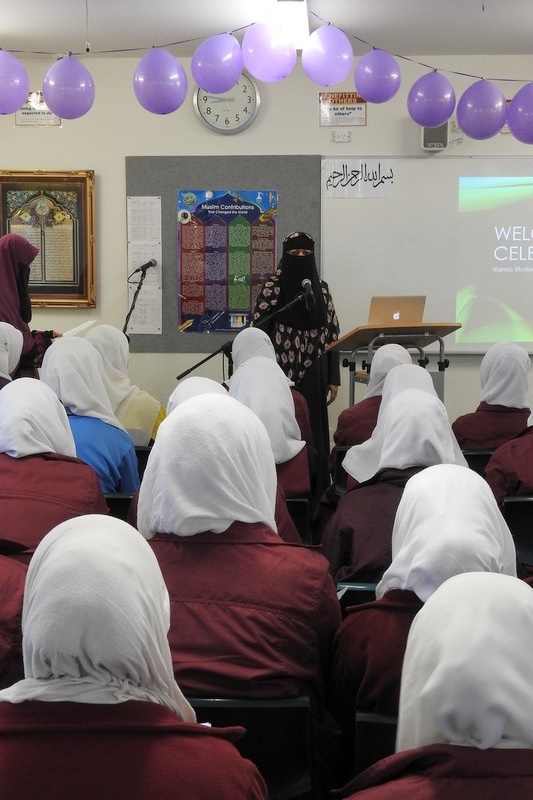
<point>232,111</point>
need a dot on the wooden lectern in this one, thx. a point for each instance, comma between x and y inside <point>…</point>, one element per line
<point>412,336</point>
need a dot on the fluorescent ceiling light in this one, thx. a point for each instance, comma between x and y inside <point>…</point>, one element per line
<point>293,16</point>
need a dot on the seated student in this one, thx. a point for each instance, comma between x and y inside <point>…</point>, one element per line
<point>361,460</point>
<point>193,386</point>
<point>509,470</point>
<point>73,368</point>
<point>251,615</point>
<point>252,342</point>
<point>98,713</point>
<point>260,384</point>
<point>42,483</point>
<point>414,433</point>
<point>138,411</point>
<point>465,724</point>
<point>12,580</point>
<point>447,522</point>
<point>10,350</point>
<point>356,423</point>
<point>503,410</point>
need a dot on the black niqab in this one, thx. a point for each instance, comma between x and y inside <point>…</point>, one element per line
<point>293,270</point>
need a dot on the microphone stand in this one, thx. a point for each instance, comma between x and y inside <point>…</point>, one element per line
<point>226,348</point>
<point>299,296</point>
<point>135,296</point>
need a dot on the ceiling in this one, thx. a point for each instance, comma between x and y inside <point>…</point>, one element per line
<point>130,27</point>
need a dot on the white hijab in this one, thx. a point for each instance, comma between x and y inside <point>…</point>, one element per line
<point>73,368</point>
<point>192,387</point>
<point>467,671</point>
<point>95,619</point>
<point>33,421</point>
<point>260,384</point>
<point>137,417</point>
<point>251,342</point>
<point>503,375</point>
<point>447,522</point>
<point>113,346</point>
<point>11,341</point>
<point>361,461</point>
<point>211,465</point>
<point>414,431</point>
<point>386,357</point>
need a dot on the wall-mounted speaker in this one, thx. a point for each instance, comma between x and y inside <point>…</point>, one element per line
<point>434,138</point>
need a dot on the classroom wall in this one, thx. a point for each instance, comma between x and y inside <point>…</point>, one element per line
<point>288,123</point>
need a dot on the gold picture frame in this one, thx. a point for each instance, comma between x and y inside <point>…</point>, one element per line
<point>54,210</point>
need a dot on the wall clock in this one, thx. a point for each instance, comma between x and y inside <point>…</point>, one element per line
<point>231,111</point>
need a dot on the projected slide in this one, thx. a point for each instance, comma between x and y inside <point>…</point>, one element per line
<point>496,218</point>
<point>458,230</point>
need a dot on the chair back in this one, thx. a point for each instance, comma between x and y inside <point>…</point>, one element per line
<point>277,740</point>
<point>518,513</point>
<point>353,594</point>
<point>300,510</point>
<point>477,460</point>
<point>119,504</point>
<point>375,738</point>
<point>340,476</point>
<point>142,451</point>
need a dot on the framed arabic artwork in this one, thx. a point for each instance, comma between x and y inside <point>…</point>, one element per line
<point>55,212</point>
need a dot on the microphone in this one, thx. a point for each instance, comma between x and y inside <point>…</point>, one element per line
<point>144,267</point>
<point>309,295</point>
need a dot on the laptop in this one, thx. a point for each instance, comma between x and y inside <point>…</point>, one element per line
<point>396,309</point>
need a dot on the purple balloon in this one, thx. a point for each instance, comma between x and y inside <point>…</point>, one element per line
<point>268,52</point>
<point>14,84</point>
<point>377,76</point>
<point>520,114</point>
<point>327,56</point>
<point>482,110</point>
<point>68,88</point>
<point>217,63</point>
<point>159,82</point>
<point>431,100</point>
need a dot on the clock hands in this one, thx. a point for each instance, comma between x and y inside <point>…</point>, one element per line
<point>213,98</point>
<point>231,112</point>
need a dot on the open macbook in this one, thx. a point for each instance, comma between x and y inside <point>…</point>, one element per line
<point>395,309</point>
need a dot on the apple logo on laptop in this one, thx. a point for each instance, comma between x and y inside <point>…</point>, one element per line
<point>396,315</point>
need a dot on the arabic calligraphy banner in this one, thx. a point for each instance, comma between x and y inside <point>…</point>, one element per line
<point>358,177</point>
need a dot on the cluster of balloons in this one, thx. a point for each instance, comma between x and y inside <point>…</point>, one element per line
<point>268,53</point>
<point>68,88</point>
<point>482,110</point>
<point>327,59</point>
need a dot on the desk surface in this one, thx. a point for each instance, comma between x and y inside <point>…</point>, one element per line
<point>420,335</point>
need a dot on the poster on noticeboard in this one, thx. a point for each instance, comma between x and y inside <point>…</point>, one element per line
<point>226,249</point>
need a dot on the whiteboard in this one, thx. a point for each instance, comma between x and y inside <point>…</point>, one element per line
<point>457,229</point>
